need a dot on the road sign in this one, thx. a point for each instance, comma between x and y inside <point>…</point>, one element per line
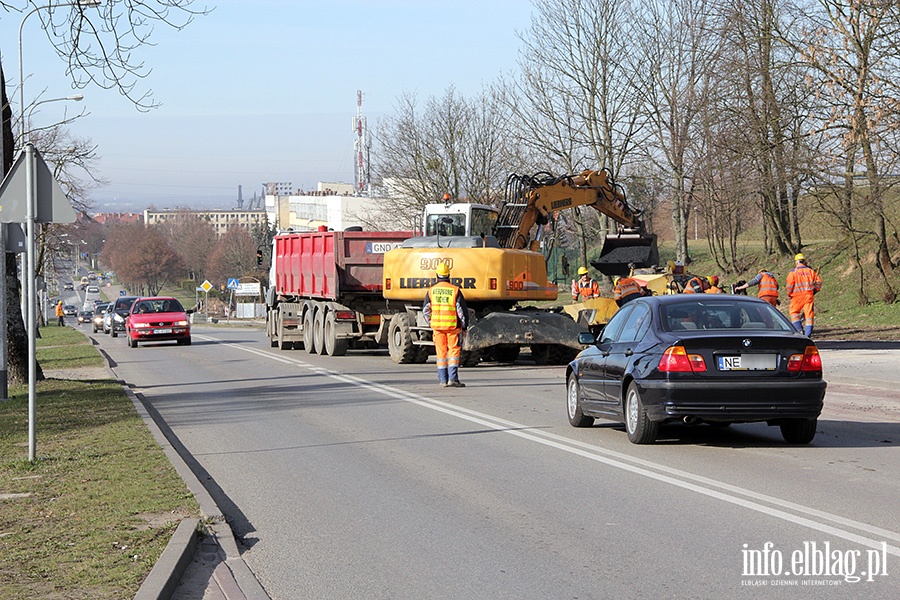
<point>233,283</point>
<point>206,285</point>
<point>51,205</point>
<point>248,289</point>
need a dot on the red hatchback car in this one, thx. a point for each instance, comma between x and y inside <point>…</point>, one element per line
<point>157,319</point>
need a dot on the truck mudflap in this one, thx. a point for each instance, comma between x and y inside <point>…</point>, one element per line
<point>524,328</point>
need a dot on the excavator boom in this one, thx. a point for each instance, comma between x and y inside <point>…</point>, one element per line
<point>530,200</point>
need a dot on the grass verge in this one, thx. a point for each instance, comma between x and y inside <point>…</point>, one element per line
<point>91,515</point>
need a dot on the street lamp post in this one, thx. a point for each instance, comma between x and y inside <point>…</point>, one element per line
<point>80,3</point>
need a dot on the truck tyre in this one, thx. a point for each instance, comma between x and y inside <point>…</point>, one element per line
<point>400,345</point>
<point>333,345</point>
<point>319,331</point>
<point>308,331</point>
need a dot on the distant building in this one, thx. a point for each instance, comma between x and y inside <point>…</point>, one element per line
<point>221,220</point>
<point>331,206</point>
<point>111,218</point>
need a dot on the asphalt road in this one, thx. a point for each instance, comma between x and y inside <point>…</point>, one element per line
<point>357,478</point>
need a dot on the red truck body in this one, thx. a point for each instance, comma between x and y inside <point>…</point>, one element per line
<point>325,291</point>
<point>332,265</point>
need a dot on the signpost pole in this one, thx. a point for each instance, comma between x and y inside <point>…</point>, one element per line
<point>29,301</point>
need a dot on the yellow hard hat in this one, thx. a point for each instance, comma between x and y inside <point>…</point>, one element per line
<point>799,257</point>
<point>442,270</point>
<point>582,270</point>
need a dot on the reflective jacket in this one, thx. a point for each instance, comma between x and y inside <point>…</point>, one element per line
<point>803,280</point>
<point>445,307</point>
<point>585,289</point>
<point>695,285</point>
<point>768,285</point>
<point>626,287</point>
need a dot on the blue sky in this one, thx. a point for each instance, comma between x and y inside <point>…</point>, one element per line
<point>265,90</point>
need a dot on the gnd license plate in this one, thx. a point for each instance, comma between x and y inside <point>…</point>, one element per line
<point>162,331</point>
<point>748,362</point>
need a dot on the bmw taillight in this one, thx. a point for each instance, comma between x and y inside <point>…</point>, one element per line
<point>676,360</point>
<point>809,361</point>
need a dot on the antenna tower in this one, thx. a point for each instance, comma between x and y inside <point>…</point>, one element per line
<point>362,147</point>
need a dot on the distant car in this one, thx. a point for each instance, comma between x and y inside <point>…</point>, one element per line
<point>97,317</point>
<point>157,319</point>
<point>697,358</point>
<point>118,312</point>
<point>68,287</point>
<point>93,289</point>
<point>70,310</point>
<point>84,316</point>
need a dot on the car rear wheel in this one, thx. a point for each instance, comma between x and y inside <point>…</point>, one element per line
<point>640,429</point>
<point>799,431</point>
<point>113,332</point>
<point>573,405</point>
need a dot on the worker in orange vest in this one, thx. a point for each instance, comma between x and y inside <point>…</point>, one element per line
<point>713,285</point>
<point>768,286</point>
<point>695,285</point>
<point>445,310</point>
<point>626,289</point>
<point>802,285</point>
<point>584,288</point>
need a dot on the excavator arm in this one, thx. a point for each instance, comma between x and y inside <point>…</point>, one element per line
<point>530,200</point>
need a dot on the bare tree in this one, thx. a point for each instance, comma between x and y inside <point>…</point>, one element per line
<point>453,145</point>
<point>101,46</point>
<point>852,47</point>
<point>142,258</point>
<point>234,255</point>
<point>677,49</point>
<point>193,239</point>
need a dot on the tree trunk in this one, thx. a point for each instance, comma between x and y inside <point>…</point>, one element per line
<point>16,336</point>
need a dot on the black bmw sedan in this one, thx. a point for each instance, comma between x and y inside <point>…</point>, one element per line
<point>697,358</point>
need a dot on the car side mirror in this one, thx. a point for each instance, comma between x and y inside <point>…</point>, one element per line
<point>586,338</point>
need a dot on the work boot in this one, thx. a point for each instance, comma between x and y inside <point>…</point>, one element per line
<point>443,383</point>
<point>456,383</point>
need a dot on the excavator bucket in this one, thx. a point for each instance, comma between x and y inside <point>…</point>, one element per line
<point>625,251</point>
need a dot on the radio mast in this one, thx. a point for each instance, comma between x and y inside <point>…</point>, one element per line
<point>363,181</point>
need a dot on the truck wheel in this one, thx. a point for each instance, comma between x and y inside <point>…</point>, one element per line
<point>308,332</point>
<point>400,345</point>
<point>319,332</point>
<point>333,345</point>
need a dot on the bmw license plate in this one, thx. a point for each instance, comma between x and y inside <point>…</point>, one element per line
<point>162,331</point>
<point>748,362</point>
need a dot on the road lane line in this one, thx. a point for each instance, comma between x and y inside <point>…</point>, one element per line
<point>696,483</point>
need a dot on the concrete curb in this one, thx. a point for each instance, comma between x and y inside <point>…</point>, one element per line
<point>166,573</point>
<point>236,581</point>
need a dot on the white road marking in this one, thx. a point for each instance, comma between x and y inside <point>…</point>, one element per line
<point>749,499</point>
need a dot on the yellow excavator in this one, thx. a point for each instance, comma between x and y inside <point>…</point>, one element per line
<point>494,258</point>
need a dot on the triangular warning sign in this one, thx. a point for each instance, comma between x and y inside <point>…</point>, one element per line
<point>52,206</point>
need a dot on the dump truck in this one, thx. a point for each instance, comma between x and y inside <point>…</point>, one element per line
<point>494,258</point>
<point>325,291</point>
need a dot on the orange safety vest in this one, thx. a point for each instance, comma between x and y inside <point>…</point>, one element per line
<point>694,286</point>
<point>803,281</point>
<point>586,290</point>
<point>443,306</point>
<point>626,287</point>
<point>768,285</point>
